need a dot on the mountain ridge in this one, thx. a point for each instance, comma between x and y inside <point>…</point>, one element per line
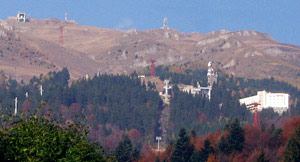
<point>88,50</point>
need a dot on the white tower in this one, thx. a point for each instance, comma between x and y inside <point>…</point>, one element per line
<point>212,77</point>
<point>166,88</point>
<point>66,16</point>
<point>41,90</point>
<point>16,106</point>
<point>26,94</point>
<point>21,17</point>
<point>165,24</point>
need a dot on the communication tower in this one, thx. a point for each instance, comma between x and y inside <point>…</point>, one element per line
<point>256,120</point>
<point>165,24</point>
<point>153,72</point>
<point>21,17</point>
<point>66,16</point>
<point>61,36</point>
<point>212,77</point>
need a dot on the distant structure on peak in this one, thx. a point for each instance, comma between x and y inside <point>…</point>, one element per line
<point>66,16</point>
<point>165,24</point>
<point>67,20</point>
<point>21,17</point>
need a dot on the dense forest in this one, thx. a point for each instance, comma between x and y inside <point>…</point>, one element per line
<point>111,105</point>
<point>39,139</point>
<point>120,111</point>
<point>204,116</point>
<point>234,144</point>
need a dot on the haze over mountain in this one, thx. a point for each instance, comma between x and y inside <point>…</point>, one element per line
<point>31,48</point>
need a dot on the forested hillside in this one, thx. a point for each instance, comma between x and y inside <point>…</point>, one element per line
<point>113,105</point>
<point>235,143</point>
<point>204,116</point>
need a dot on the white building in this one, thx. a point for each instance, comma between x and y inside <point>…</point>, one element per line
<point>205,91</point>
<point>279,102</point>
<point>21,17</point>
<point>212,77</point>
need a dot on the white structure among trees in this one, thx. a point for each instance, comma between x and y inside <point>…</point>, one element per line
<point>279,102</point>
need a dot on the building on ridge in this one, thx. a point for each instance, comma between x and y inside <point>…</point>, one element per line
<point>21,17</point>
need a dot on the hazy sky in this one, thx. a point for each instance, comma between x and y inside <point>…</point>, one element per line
<point>279,18</point>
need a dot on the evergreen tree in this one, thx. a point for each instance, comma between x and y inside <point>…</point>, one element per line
<point>136,154</point>
<point>292,151</point>
<point>196,156</point>
<point>165,160</point>
<point>262,157</point>
<point>183,149</point>
<point>157,159</point>
<point>206,151</point>
<point>202,156</point>
<point>236,137</point>
<point>124,151</point>
<point>223,146</point>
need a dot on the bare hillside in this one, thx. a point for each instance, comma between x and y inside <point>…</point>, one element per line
<point>87,50</point>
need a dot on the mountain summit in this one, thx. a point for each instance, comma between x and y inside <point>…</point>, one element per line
<point>31,48</point>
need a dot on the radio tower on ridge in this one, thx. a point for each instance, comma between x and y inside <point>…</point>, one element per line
<point>153,73</point>
<point>61,36</point>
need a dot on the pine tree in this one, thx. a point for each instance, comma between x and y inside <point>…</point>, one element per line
<point>236,137</point>
<point>262,157</point>
<point>196,156</point>
<point>206,151</point>
<point>223,146</point>
<point>123,152</point>
<point>183,149</point>
<point>157,159</point>
<point>292,151</point>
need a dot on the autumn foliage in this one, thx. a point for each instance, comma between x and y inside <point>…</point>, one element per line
<point>268,143</point>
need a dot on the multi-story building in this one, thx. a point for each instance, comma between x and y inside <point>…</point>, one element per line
<point>279,102</point>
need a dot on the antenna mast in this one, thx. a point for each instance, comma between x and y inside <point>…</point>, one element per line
<point>66,16</point>
<point>61,36</point>
<point>256,120</point>
<point>165,24</point>
<point>153,72</point>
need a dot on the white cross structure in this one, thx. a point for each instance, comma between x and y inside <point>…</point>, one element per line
<point>158,139</point>
<point>16,106</point>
